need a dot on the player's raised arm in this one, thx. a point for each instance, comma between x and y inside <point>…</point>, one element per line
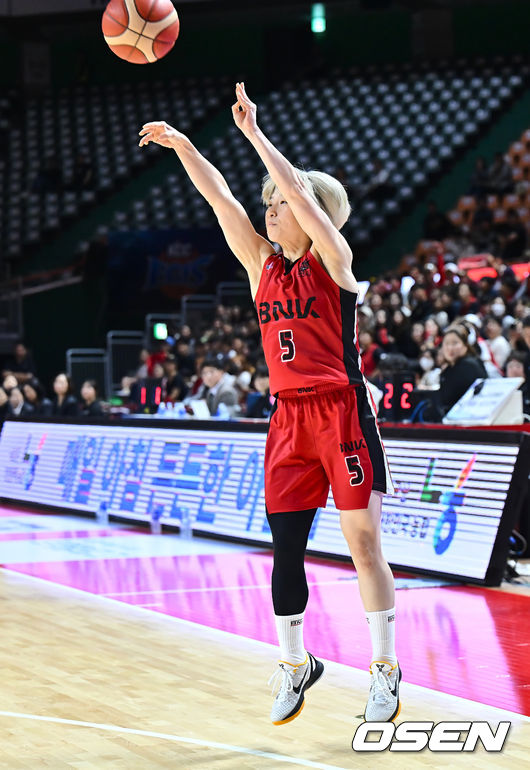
<point>327,240</point>
<point>248,246</point>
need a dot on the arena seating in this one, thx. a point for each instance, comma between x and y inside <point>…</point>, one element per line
<point>461,215</point>
<point>413,120</point>
<point>518,155</point>
<point>100,122</point>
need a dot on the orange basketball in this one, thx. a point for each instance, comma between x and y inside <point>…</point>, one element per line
<point>140,31</point>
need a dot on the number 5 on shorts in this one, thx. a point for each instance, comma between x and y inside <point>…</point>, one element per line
<point>287,345</point>
<point>355,470</point>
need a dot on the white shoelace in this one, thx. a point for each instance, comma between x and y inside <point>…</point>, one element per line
<point>283,681</point>
<point>381,687</point>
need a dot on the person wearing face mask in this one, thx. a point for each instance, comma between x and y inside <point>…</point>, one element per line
<point>463,366</point>
<point>498,308</point>
<point>430,378</point>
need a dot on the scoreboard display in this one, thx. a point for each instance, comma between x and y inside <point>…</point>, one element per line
<point>456,502</point>
<point>395,404</point>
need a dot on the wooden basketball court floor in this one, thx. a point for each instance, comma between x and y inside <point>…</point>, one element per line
<point>125,650</point>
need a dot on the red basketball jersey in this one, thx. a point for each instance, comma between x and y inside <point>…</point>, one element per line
<point>308,326</point>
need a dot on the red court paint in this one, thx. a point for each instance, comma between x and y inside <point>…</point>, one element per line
<point>465,641</point>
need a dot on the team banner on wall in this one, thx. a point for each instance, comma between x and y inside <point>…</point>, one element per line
<point>154,268</point>
<point>443,518</point>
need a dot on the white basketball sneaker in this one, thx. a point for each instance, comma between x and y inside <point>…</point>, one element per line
<point>293,681</point>
<point>383,699</point>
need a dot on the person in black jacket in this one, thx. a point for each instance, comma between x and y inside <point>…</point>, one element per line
<point>17,407</point>
<point>91,405</point>
<point>20,364</point>
<point>64,403</point>
<point>463,364</point>
<point>260,405</point>
<point>34,395</point>
<point>174,387</point>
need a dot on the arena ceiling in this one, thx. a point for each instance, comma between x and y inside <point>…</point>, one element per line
<point>18,8</point>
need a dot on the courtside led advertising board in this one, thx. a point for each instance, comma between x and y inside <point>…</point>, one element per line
<point>456,501</point>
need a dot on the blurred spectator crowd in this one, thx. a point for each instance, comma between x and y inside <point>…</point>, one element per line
<point>431,320</point>
<point>22,393</point>
<point>447,328</point>
<point>222,364</point>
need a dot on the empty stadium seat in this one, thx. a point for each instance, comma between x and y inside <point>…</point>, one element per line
<point>74,120</point>
<point>413,118</point>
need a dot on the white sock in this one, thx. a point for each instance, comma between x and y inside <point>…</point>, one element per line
<point>290,630</point>
<point>383,635</point>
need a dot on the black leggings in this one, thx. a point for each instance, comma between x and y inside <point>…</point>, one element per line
<point>290,532</point>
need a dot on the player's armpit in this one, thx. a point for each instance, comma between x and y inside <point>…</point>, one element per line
<point>341,273</point>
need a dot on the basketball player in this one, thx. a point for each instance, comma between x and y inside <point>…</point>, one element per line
<point>323,429</point>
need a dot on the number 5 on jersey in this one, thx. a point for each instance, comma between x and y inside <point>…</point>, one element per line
<point>287,345</point>
<point>355,470</point>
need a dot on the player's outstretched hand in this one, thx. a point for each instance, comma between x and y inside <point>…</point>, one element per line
<point>244,111</point>
<point>160,133</point>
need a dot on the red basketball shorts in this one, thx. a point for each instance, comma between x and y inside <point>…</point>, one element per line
<point>323,438</point>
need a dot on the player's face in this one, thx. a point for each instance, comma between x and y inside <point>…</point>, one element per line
<point>280,222</point>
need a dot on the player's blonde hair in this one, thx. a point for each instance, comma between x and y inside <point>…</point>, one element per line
<point>325,190</point>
